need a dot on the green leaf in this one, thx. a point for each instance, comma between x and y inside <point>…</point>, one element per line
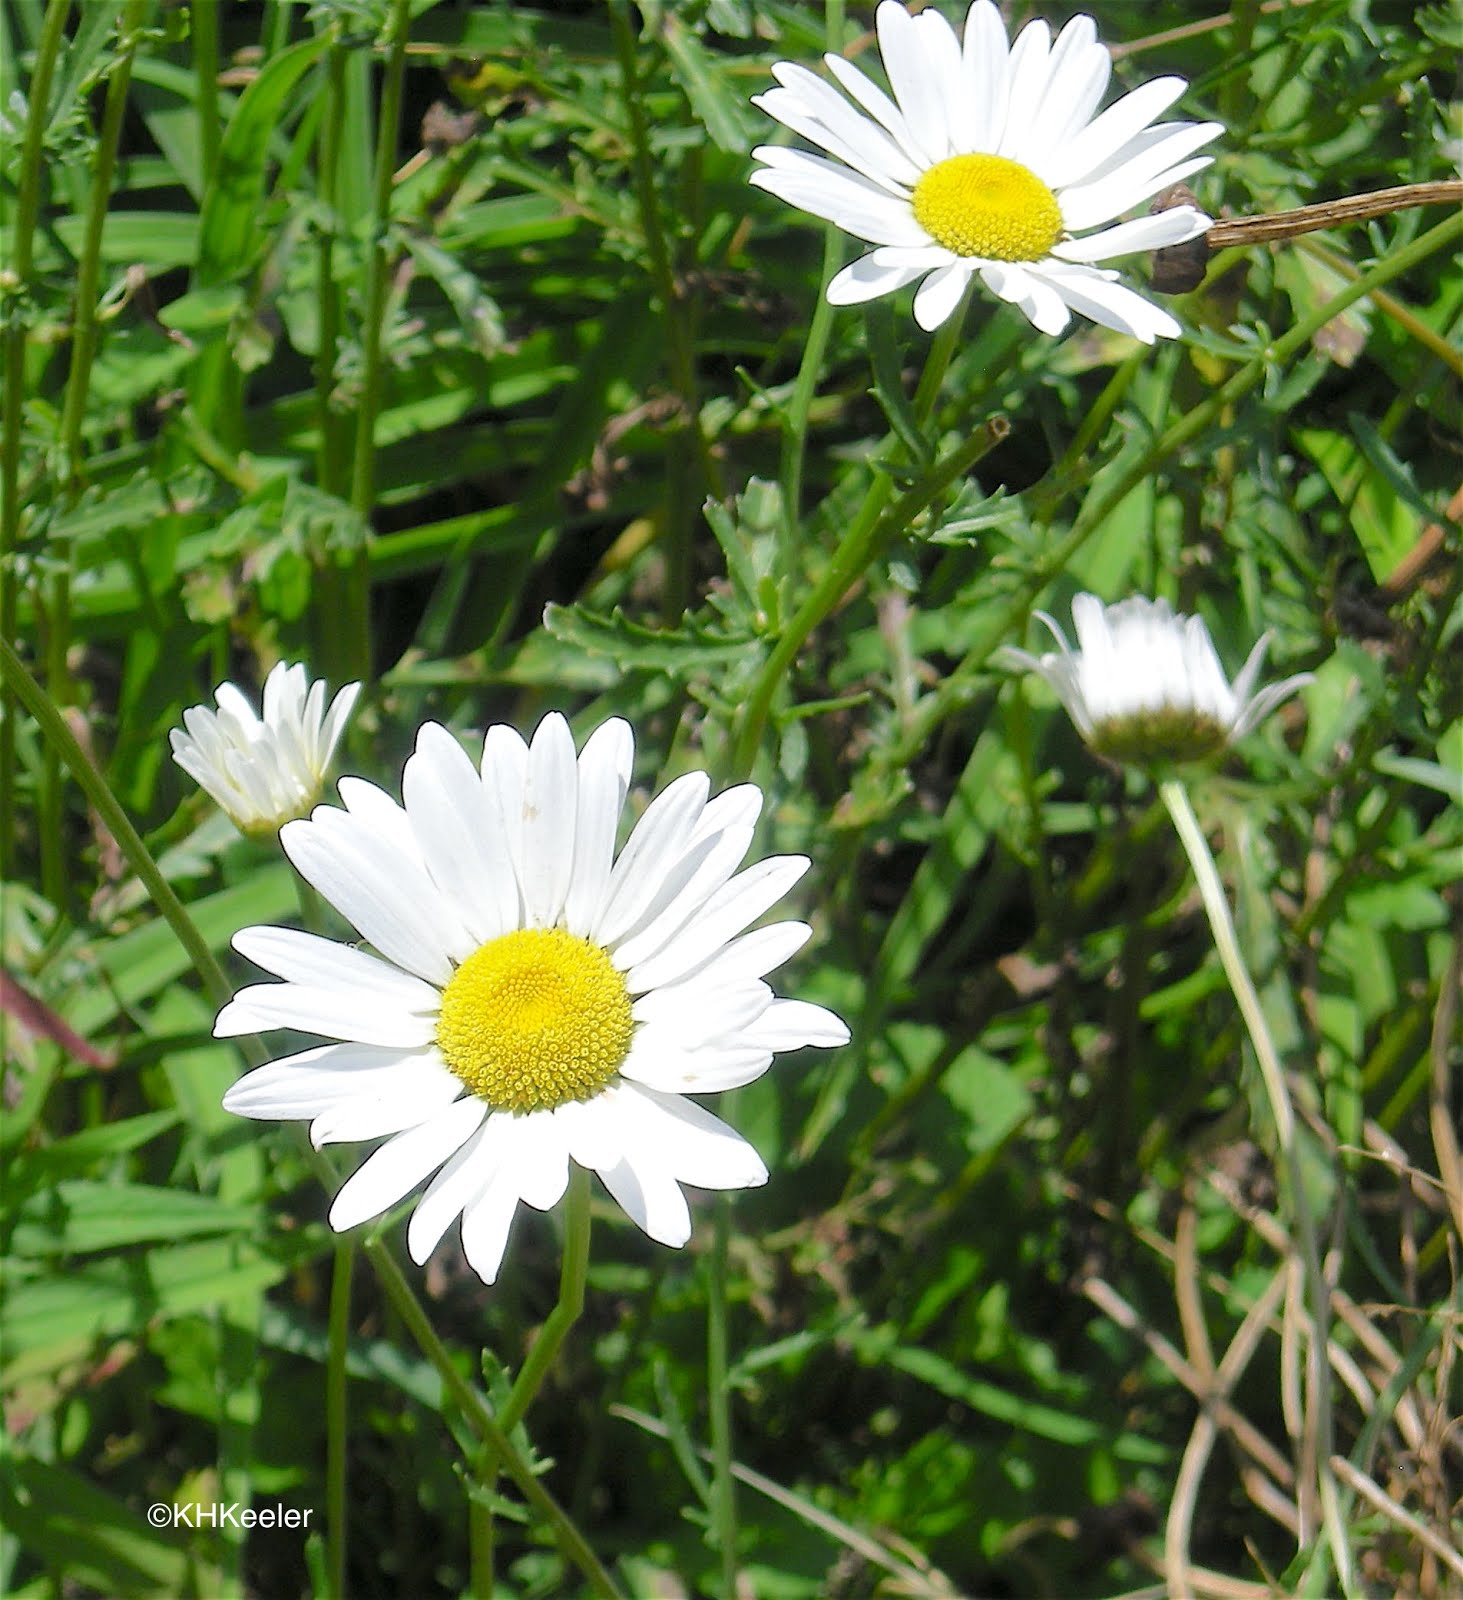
<point>683,652</point>
<point>74,1217</point>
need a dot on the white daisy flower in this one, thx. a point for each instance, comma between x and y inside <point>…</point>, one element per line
<point>988,161</point>
<point>533,998</point>
<point>264,770</point>
<point>1145,685</point>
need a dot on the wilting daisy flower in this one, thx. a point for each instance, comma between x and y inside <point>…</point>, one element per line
<point>533,998</point>
<point>1144,685</point>
<point>264,770</point>
<point>988,161</point>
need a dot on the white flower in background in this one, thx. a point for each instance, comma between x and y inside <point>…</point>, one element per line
<point>264,770</point>
<point>1145,685</point>
<point>989,161</point>
<point>533,998</point>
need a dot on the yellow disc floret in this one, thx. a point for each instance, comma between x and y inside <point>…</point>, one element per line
<point>988,206</point>
<point>535,1019</point>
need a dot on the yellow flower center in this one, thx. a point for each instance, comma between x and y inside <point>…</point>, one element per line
<point>535,1019</point>
<point>988,206</point>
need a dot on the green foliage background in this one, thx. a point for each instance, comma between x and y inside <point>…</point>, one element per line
<point>537,442</point>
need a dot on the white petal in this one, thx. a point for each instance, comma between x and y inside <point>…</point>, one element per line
<point>985,58</point>
<point>656,843</point>
<point>537,1156</point>
<point>379,817</point>
<point>837,195</point>
<point>423,1088</point>
<point>1105,137</point>
<point>753,955</point>
<point>388,897</point>
<point>1087,204</point>
<point>505,770</point>
<point>322,963</point>
<point>400,1164</point>
<point>709,1070</point>
<point>866,279</point>
<point>1111,304</point>
<point>472,1171</point>
<point>710,864</point>
<point>1154,232</point>
<point>795,1024</point>
<point>693,1015</point>
<point>902,51</point>
<point>937,297</point>
<point>817,111</point>
<point>461,834</point>
<point>696,1147</point>
<point>878,105</point>
<point>301,1086</point>
<point>1027,73</point>
<point>347,1014</point>
<point>486,1220</point>
<point>728,912</point>
<point>550,799</point>
<point>605,765</point>
<point>1043,306</point>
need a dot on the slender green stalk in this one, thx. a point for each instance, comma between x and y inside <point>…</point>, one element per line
<point>357,620</point>
<point>572,1273</point>
<point>800,405</point>
<point>472,1405</point>
<point>73,413</point>
<point>14,281</point>
<point>566,1313</point>
<point>687,474</point>
<point>203,22</point>
<point>1282,1113</point>
<point>330,459</point>
<point>723,1484</point>
<point>337,1414</point>
<point>481,1419</point>
<point>876,525</point>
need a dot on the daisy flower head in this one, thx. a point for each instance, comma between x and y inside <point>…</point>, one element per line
<point>1145,686</point>
<point>988,160</point>
<point>532,997</point>
<point>264,770</point>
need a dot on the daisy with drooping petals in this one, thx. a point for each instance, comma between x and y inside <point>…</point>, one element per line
<point>534,998</point>
<point>989,161</point>
<point>1145,685</point>
<point>264,770</point>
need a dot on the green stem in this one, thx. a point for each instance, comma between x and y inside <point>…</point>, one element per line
<point>957,686</point>
<point>688,473</point>
<point>566,1313</point>
<point>572,1273</point>
<point>481,1535</point>
<point>481,1419</point>
<point>800,404</point>
<point>474,1408</point>
<point>14,281</point>
<point>336,1414</point>
<point>1282,1113</point>
<point>723,1484</point>
<point>73,414</point>
<point>330,460</point>
<point>204,23</point>
<point>876,525</point>
<point>357,619</point>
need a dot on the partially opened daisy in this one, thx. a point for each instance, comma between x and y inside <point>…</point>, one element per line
<point>1145,686</point>
<point>533,998</point>
<point>264,770</point>
<point>988,161</point>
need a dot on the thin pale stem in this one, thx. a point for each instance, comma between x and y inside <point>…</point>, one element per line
<point>1175,797</point>
<point>203,21</point>
<point>723,1484</point>
<point>474,1408</point>
<point>800,404</point>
